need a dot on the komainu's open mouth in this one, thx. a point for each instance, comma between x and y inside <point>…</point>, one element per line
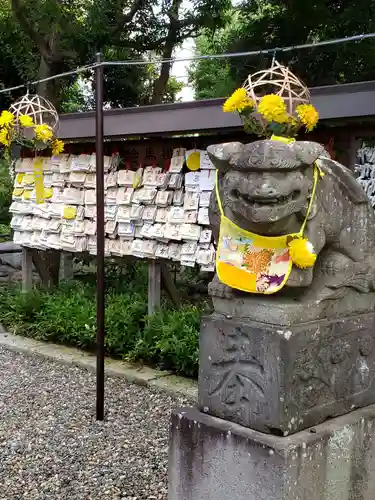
<point>255,201</point>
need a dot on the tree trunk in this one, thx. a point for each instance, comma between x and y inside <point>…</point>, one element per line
<point>47,68</point>
<point>48,48</point>
<point>51,259</point>
<point>44,72</point>
<point>162,81</point>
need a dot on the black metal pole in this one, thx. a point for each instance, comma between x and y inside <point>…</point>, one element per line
<point>100,304</point>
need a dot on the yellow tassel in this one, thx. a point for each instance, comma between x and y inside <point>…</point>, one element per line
<point>302,253</point>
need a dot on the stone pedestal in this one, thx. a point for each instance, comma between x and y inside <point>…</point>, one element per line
<point>213,459</point>
<point>280,380</point>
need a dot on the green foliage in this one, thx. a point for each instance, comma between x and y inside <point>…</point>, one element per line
<point>120,276</point>
<point>167,339</point>
<point>170,339</point>
<point>211,78</point>
<point>173,88</point>
<point>125,317</point>
<point>18,58</point>
<point>75,98</point>
<point>40,38</point>
<point>266,24</point>
<point>5,194</point>
<point>67,316</point>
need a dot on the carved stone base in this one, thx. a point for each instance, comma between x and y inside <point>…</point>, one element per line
<point>277,310</point>
<point>211,459</point>
<point>281,380</point>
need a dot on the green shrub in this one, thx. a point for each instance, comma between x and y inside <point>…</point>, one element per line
<point>5,192</point>
<point>120,276</point>
<point>4,229</point>
<point>68,316</point>
<point>168,339</point>
<point>125,317</point>
<point>65,316</point>
<point>19,311</point>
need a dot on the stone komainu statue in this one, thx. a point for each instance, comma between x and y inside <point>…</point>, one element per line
<point>265,187</point>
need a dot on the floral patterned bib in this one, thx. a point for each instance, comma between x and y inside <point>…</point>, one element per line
<point>253,263</point>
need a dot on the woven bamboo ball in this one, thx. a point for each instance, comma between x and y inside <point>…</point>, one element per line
<point>279,80</point>
<point>40,109</point>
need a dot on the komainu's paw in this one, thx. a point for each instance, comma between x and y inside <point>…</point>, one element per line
<point>218,289</point>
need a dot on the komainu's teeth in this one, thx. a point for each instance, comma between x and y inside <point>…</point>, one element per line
<point>282,200</point>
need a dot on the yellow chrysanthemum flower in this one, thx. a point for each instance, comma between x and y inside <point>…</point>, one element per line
<point>26,121</point>
<point>308,115</point>
<point>57,147</point>
<point>273,108</point>
<point>6,119</point>
<point>238,101</point>
<point>4,137</point>
<point>43,132</point>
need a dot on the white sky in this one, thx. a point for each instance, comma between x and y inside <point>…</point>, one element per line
<point>180,69</point>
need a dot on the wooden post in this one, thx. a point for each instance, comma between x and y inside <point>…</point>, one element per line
<point>52,259</point>
<point>27,270</point>
<point>170,286</point>
<point>66,266</point>
<point>100,237</point>
<point>41,268</point>
<point>153,286</point>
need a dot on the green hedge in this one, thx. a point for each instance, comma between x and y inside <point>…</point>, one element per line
<point>5,196</point>
<point>168,339</point>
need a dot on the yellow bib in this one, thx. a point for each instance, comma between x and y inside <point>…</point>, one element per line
<point>252,263</point>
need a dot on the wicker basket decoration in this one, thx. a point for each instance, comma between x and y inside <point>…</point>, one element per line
<point>38,108</point>
<point>273,101</point>
<point>30,123</point>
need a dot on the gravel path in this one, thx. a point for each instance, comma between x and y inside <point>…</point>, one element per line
<point>51,447</point>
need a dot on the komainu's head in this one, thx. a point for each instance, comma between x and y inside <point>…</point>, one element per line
<point>265,181</point>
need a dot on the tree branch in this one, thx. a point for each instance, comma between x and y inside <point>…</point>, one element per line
<point>190,20</point>
<point>143,45</point>
<point>124,19</point>
<point>161,82</point>
<point>29,29</point>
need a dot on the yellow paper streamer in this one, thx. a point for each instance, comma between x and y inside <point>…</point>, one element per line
<point>38,176</point>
